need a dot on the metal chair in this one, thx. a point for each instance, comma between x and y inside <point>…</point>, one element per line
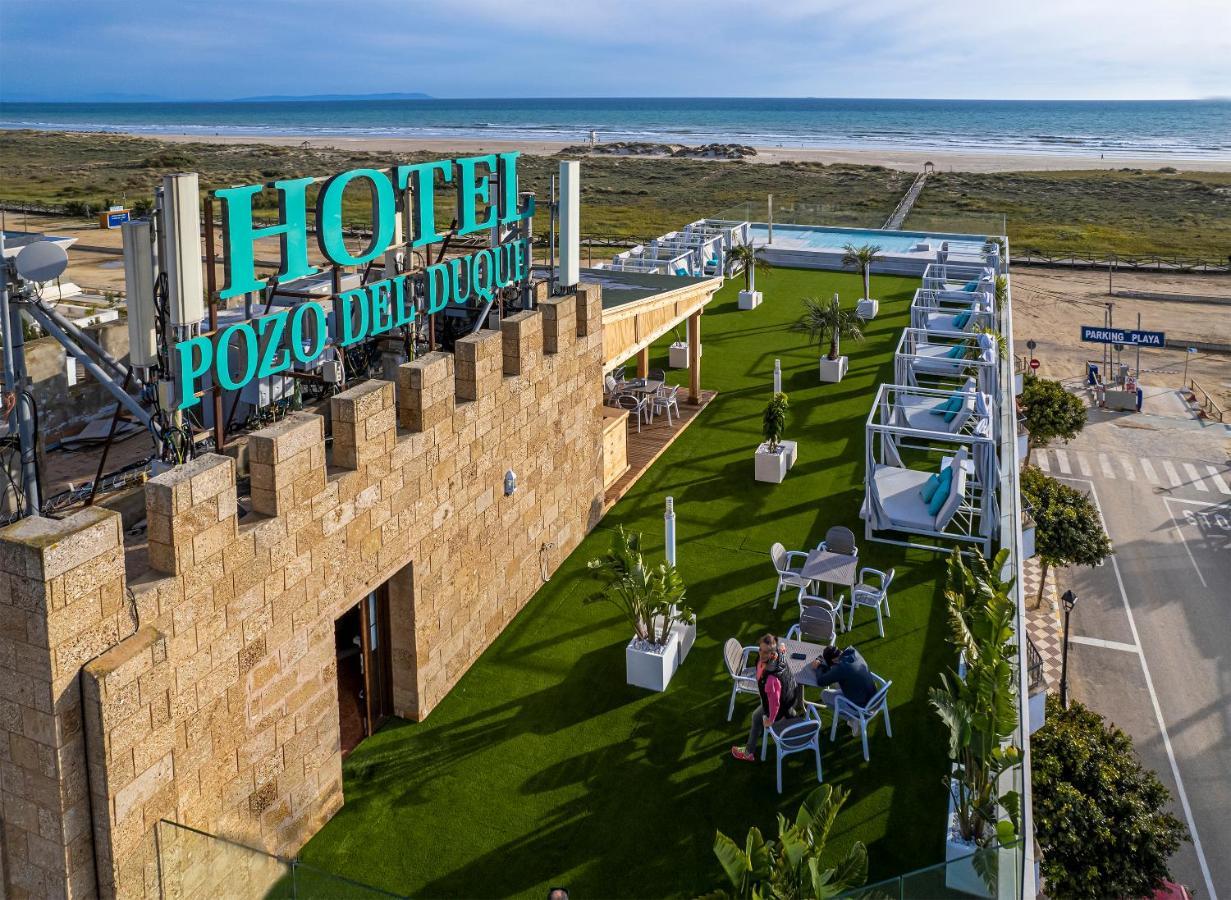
<point>796,736</point>
<point>807,601</point>
<point>657,375</point>
<point>863,715</point>
<point>839,539</point>
<point>788,569</point>
<point>665,399</point>
<point>877,598</point>
<point>632,404</point>
<point>743,675</point>
<point>816,626</point>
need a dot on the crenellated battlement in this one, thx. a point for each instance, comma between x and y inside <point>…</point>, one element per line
<point>221,710</point>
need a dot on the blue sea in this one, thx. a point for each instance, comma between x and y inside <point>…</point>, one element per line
<point>1161,129</point>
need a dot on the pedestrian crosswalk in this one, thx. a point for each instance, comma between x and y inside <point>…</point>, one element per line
<point>1174,474</point>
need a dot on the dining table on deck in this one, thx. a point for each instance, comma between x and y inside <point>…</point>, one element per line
<point>831,568</point>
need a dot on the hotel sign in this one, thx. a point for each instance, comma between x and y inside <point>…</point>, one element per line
<point>1094,334</point>
<point>300,334</point>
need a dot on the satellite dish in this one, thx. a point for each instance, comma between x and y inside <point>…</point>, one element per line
<point>41,261</point>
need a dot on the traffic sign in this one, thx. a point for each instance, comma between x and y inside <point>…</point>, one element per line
<point>1031,344</point>
<point>1034,365</point>
<point>1095,334</point>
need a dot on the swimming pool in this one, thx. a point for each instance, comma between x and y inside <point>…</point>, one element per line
<point>819,237</point>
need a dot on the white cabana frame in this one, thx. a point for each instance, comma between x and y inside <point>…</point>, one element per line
<point>915,410</point>
<point>944,275</point>
<point>922,360</point>
<point>894,511</point>
<point>941,310</point>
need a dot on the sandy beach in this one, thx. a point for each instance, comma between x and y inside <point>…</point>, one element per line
<point>906,160</point>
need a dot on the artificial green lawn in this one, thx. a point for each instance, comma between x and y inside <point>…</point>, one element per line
<point>543,768</point>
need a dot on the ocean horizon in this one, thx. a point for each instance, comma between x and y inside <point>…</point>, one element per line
<point>1181,129</point>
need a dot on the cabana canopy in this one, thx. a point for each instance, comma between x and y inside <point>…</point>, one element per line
<point>901,461</point>
<point>954,311</point>
<point>943,359</point>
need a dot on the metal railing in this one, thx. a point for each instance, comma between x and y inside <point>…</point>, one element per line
<point>1034,667</point>
<point>1205,403</point>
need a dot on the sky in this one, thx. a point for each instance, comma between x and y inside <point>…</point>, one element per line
<point>223,49</point>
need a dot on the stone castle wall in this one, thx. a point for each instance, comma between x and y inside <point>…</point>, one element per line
<point>220,711</point>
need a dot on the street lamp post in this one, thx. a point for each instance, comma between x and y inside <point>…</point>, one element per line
<point>1070,600</point>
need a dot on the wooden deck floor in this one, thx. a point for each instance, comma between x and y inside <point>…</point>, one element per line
<point>650,444</point>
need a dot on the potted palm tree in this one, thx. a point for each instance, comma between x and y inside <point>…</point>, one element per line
<point>862,258</point>
<point>652,599</point>
<point>822,321</point>
<point>978,704</point>
<point>774,456</point>
<point>746,257</point>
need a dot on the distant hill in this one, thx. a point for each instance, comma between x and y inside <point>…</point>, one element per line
<point>279,98</point>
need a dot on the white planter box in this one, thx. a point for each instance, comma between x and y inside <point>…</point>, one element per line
<point>749,299</point>
<point>773,467</point>
<point>833,369</point>
<point>677,355</point>
<point>960,874</point>
<point>867,309</point>
<point>687,634</point>
<point>652,669</point>
<point>1028,548</point>
<point>1019,383</point>
<point>1023,447</point>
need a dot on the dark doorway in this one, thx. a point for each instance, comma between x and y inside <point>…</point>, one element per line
<point>364,669</point>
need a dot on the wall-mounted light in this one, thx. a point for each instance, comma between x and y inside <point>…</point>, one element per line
<point>510,483</point>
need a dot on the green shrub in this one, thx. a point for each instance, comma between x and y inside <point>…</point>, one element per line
<point>1051,412</point>
<point>1098,814</point>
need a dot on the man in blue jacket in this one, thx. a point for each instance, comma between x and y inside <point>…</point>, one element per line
<point>847,670</point>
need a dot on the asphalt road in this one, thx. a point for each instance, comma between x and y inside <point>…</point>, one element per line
<point>1151,631</point>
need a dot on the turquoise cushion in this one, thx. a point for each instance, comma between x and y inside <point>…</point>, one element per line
<point>942,492</point>
<point>956,352</point>
<point>681,271</point>
<point>952,411</point>
<point>960,321</point>
<point>953,404</point>
<point>971,286</point>
<point>928,491</point>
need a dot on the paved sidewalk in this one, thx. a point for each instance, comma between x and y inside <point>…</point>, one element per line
<point>1043,622</point>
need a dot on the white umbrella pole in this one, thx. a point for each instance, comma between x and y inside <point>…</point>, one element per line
<point>777,376</point>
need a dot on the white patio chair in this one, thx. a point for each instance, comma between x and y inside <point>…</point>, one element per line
<point>863,715</point>
<point>816,626</point>
<point>796,736</point>
<point>809,601</point>
<point>657,375</point>
<point>611,387</point>
<point>788,569</point>
<point>634,405</point>
<point>742,674</point>
<point>665,400</point>
<point>875,597</point>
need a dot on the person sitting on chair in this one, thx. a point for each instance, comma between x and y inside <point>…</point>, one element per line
<point>847,670</point>
<point>780,694</point>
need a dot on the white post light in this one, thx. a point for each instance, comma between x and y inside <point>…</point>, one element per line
<point>777,376</point>
<point>669,527</point>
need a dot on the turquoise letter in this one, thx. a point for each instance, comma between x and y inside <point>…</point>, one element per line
<point>320,331</point>
<point>403,306</point>
<point>424,194</point>
<point>247,356</point>
<point>189,371</point>
<point>239,235</point>
<point>437,299</point>
<point>471,188</point>
<point>329,217</point>
<point>381,318</point>
<point>346,302</point>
